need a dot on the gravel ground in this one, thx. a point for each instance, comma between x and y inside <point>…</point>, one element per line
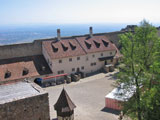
<point>88,94</point>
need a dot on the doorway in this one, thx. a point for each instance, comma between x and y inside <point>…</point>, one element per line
<point>78,70</point>
<point>105,62</point>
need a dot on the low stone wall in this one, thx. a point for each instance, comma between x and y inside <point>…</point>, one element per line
<point>21,50</point>
<point>31,108</point>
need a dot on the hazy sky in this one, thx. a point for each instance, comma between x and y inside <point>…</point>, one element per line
<point>78,11</point>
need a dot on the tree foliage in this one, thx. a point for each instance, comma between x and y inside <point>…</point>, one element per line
<point>141,58</point>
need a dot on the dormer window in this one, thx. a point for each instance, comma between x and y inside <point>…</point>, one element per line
<point>73,47</point>
<point>97,44</point>
<point>25,71</point>
<point>54,48</point>
<point>64,47</point>
<point>105,43</point>
<point>88,44</point>
<point>7,74</point>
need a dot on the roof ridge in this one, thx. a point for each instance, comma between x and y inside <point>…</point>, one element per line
<point>81,46</point>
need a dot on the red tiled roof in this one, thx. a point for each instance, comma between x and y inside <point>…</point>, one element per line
<point>33,64</point>
<point>78,46</point>
<point>63,48</point>
<point>97,43</point>
<point>118,54</point>
<point>16,70</point>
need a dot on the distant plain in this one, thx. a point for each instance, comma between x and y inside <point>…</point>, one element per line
<point>27,33</point>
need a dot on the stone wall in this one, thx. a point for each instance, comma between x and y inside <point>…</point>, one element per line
<point>21,50</point>
<point>35,48</point>
<point>114,37</point>
<point>31,108</point>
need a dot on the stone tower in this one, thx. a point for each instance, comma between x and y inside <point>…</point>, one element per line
<point>64,107</point>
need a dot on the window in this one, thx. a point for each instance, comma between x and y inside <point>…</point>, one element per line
<point>70,59</point>
<point>7,74</point>
<point>111,60</point>
<point>87,58</point>
<point>62,71</point>
<point>93,64</point>
<point>73,69</point>
<point>25,71</point>
<point>78,58</point>
<point>93,55</point>
<point>78,70</point>
<point>60,61</point>
<point>110,53</point>
<point>105,43</point>
<point>82,67</point>
<point>101,54</point>
<point>59,72</point>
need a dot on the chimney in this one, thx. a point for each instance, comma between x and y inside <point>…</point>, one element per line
<point>90,32</point>
<point>58,34</point>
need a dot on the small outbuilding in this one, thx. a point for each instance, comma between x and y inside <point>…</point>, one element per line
<point>117,96</point>
<point>64,107</point>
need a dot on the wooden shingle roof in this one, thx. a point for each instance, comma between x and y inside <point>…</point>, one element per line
<point>64,103</point>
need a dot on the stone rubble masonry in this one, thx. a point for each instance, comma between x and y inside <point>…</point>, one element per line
<point>20,50</point>
<point>35,107</point>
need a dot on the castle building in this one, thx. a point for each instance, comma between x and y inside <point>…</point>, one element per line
<point>64,107</point>
<point>47,57</point>
<point>85,54</point>
<point>20,68</point>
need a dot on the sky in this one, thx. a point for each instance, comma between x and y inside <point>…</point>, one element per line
<point>78,11</point>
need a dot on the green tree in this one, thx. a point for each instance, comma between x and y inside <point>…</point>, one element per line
<point>141,55</point>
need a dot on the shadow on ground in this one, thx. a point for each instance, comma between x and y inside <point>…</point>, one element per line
<point>112,76</point>
<point>54,119</point>
<point>109,110</point>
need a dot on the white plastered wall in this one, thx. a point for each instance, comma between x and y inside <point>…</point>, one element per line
<point>47,57</point>
<point>67,65</point>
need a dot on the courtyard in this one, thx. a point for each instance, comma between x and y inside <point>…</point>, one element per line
<point>88,94</point>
